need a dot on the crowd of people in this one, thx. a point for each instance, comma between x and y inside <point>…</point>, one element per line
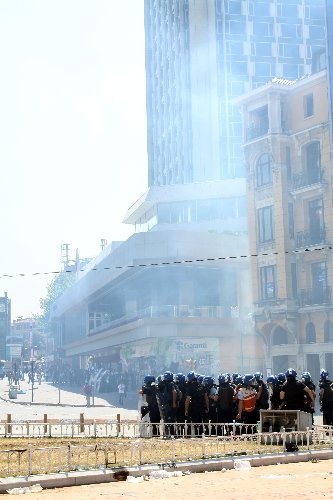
<point>232,398</point>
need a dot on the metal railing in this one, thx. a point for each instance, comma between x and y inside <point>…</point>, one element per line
<point>172,311</point>
<point>304,179</point>
<point>32,459</point>
<point>305,239</point>
<point>315,296</point>
<point>115,429</point>
<point>256,131</point>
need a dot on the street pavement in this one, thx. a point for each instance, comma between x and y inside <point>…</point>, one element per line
<point>63,403</point>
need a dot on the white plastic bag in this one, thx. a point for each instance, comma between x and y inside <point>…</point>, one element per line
<point>242,465</point>
<point>134,479</point>
<point>162,474</point>
<point>35,488</point>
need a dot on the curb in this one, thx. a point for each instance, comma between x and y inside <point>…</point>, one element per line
<point>79,478</point>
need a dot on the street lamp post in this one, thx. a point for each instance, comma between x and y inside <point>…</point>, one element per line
<point>59,382</point>
<point>32,380</point>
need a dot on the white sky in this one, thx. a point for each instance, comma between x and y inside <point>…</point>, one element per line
<point>73,133</point>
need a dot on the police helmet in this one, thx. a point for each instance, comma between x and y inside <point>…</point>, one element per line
<point>272,380</point>
<point>191,376</point>
<point>281,378</point>
<point>291,373</point>
<point>324,375</point>
<point>208,381</point>
<point>306,377</point>
<point>168,376</point>
<point>239,379</point>
<point>228,375</point>
<point>159,379</point>
<point>248,379</point>
<point>223,379</point>
<point>180,378</point>
<point>148,379</point>
<point>258,376</point>
<point>235,376</point>
<point>200,378</point>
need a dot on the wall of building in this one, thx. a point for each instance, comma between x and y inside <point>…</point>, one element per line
<point>292,311</point>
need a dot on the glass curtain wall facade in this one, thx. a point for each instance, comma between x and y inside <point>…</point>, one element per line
<point>200,55</point>
<point>329,25</point>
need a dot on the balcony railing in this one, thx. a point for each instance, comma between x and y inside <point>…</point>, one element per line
<point>257,131</point>
<point>169,311</point>
<point>305,239</point>
<point>277,302</point>
<point>304,179</point>
<point>315,296</point>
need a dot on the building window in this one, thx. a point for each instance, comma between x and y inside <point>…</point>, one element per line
<point>262,69</point>
<point>265,224</point>
<point>268,282</point>
<point>237,27</point>
<point>288,11</point>
<point>259,123</point>
<point>233,7</point>
<point>262,29</point>
<point>288,30</point>
<point>261,9</point>
<point>308,105</point>
<point>319,61</point>
<point>228,208</point>
<point>329,362</point>
<point>312,162</point>
<point>293,269</point>
<point>328,331</point>
<point>280,336</point>
<point>264,171</point>
<point>262,49</point>
<point>288,163</point>
<point>316,222</point>
<point>316,32</point>
<point>320,292</point>
<point>310,333</point>
<point>291,220</point>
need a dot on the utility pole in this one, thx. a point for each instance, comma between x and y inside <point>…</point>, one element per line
<point>32,380</point>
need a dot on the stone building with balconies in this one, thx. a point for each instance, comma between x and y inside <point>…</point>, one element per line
<point>289,193</point>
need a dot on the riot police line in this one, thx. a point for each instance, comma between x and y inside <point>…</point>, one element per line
<point>195,404</point>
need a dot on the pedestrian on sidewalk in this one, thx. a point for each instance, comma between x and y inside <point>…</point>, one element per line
<point>87,389</point>
<point>121,392</point>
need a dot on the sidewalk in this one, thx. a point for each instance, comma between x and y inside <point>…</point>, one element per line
<point>68,402</point>
<point>48,394</point>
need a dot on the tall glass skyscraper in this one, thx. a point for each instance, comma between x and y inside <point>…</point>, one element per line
<point>329,25</point>
<point>202,53</point>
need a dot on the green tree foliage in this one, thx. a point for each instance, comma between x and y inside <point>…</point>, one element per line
<point>54,289</point>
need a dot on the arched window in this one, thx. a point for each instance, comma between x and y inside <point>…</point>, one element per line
<point>280,336</point>
<point>310,333</point>
<point>328,331</point>
<point>264,170</point>
<point>312,162</point>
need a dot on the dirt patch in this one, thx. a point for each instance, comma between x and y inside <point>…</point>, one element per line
<point>309,480</point>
